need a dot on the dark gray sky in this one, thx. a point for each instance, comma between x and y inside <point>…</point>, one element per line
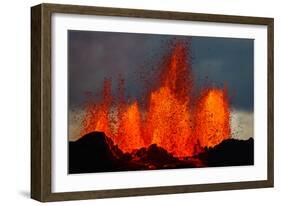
<point>92,56</point>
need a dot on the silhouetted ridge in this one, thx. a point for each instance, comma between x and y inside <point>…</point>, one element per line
<point>95,152</point>
<point>230,152</point>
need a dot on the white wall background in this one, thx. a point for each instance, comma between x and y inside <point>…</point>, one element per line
<point>15,102</point>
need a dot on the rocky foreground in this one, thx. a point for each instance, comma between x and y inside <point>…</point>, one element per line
<point>95,152</point>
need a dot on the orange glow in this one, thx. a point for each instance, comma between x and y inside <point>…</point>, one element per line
<point>212,118</point>
<point>169,119</point>
<point>130,129</point>
<point>168,123</point>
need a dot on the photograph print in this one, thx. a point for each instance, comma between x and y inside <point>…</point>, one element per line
<point>152,101</point>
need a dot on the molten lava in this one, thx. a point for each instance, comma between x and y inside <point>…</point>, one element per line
<point>169,116</point>
<point>212,123</point>
<point>173,118</point>
<point>130,129</point>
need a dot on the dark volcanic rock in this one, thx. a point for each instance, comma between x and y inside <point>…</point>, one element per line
<point>155,155</point>
<point>95,152</point>
<point>231,152</point>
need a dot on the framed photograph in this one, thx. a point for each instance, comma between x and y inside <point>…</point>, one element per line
<point>130,102</point>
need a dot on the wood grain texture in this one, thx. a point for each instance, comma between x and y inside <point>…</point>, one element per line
<point>270,102</point>
<point>36,154</point>
<point>123,12</point>
<point>41,101</point>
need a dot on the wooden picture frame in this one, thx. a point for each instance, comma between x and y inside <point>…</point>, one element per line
<point>41,116</point>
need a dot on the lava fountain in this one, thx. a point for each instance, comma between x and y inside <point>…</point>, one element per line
<point>174,119</point>
<point>212,116</point>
